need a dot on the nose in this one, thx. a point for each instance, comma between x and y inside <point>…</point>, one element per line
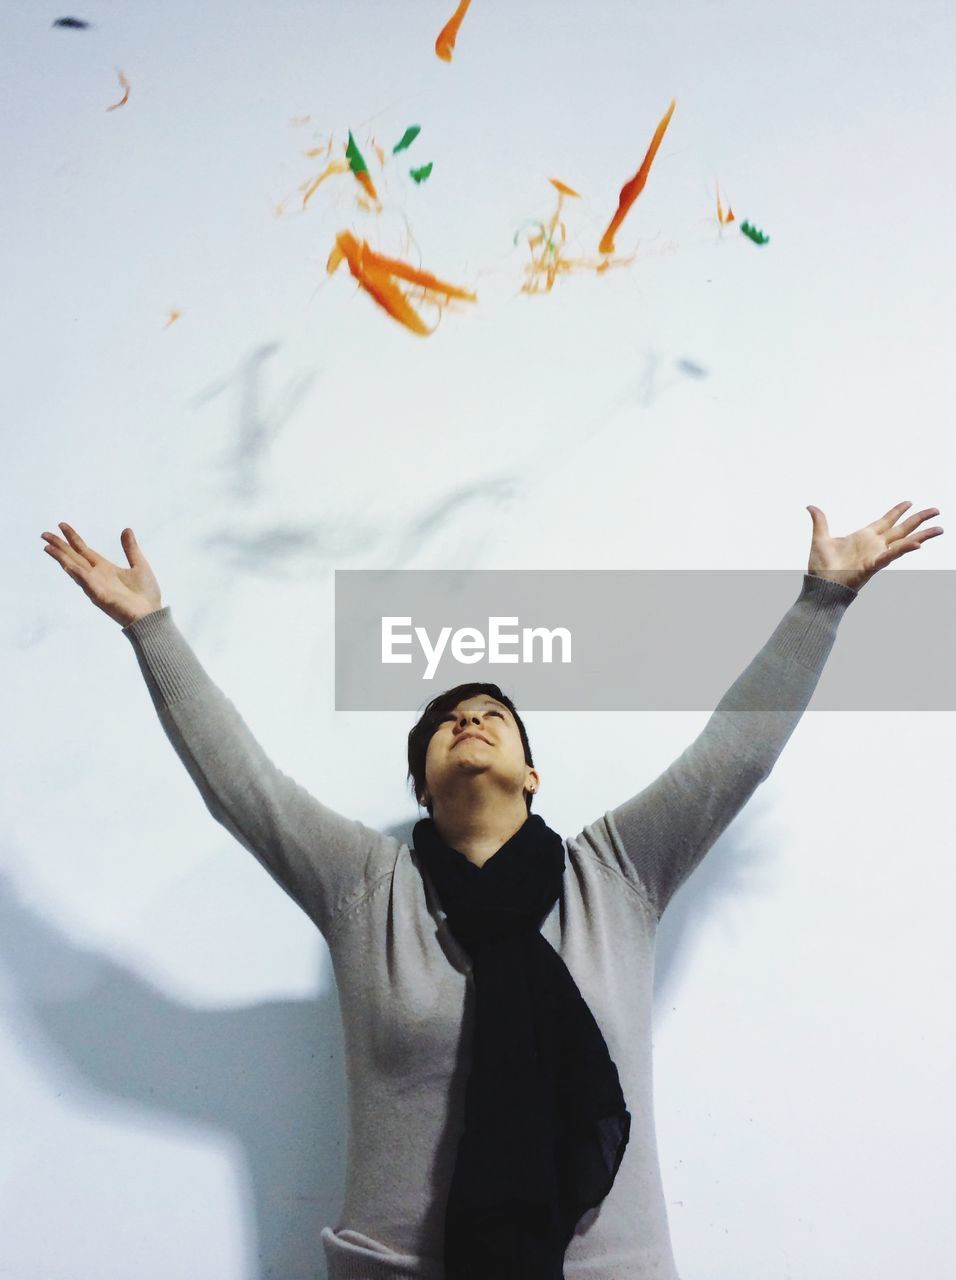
<point>464,720</point>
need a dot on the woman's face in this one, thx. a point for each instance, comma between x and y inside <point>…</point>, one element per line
<point>479,736</point>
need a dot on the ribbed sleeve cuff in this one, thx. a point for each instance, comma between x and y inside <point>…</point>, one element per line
<point>164,650</point>
<point>808,631</point>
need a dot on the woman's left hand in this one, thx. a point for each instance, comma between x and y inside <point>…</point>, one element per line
<point>854,559</point>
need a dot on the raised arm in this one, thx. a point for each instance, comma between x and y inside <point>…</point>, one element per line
<point>319,857</point>
<point>664,831</point>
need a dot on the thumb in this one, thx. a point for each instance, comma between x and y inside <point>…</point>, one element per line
<point>820,526</point>
<point>130,546</point>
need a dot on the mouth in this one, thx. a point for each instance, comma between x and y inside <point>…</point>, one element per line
<point>465,736</point>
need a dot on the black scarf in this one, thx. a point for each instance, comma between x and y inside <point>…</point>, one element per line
<point>546,1123</point>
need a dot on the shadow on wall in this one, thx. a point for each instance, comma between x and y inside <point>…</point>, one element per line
<point>101,1035</point>
<point>256,428</point>
<point>292,550</point>
<point>449,529</point>
<point>737,871</point>
<point>269,1077</point>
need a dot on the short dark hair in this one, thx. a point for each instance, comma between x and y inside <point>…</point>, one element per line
<point>420,736</point>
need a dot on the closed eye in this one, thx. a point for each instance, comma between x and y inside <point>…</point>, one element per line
<point>451,716</point>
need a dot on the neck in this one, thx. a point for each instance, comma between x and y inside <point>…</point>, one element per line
<point>477,825</point>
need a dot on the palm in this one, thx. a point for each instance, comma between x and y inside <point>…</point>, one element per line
<point>105,577</point>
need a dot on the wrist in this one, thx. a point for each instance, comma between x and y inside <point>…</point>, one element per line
<point>128,619</point>
<point>851,578</point>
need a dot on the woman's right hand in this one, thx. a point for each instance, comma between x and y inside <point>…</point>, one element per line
<point>124,594</point>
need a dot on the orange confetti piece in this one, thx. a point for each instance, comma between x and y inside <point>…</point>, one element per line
<point>564,188</point>
<point>320,150</point>
<point>631,190</point>
<point>336,166</point>
<point>125,98</point>
<point>720,213</point>
<point>405,271</point>
<point>366,180</point>
<point>449,32</point>
<point>173,317</point>
<point>375,272</point>
<point>380,152</point>
<point>376,283</point>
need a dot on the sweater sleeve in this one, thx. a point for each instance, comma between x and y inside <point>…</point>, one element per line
<point>663,832</point>
<point>316,855</point>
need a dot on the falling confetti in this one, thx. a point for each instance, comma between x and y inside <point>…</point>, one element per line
<point>547,260</point>
<point>400,288</point>
<point>173,317</point>
<point>721,217</point>
<point>321,151</point>
<point>76,23</point>
<point>375,272</point>
<point>407,138</point>
<point>376,282</point>
<point>359,167</point>
<point>405,271</point>
<point>631,190</point>
<point>449,32</point>
<point>756,236</point>
<point>534,223</point>
<point>125,84</point>
<point>335,166</point>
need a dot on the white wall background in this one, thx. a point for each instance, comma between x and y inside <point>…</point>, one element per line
<point>171,1072</point>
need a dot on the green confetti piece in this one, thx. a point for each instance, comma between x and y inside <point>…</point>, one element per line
<point>407,138</point>
<point>421,174</point>
<point>354,157</point>
<point>756,236</point>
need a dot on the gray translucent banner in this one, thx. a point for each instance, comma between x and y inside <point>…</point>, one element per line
<point>646,640</point>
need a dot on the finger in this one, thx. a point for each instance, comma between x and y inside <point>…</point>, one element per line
<point>77,543</point>
<point>62,551</point>
<point>890,517</point>
<point>914,543</point>
<point>69,563</point>
<point>914,521</point>
<point>131,547</point>
<point>820,526</point>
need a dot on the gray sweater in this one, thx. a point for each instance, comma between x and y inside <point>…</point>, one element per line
<point>405,986</point>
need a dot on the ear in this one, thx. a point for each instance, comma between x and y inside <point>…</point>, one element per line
<point>533,780</point>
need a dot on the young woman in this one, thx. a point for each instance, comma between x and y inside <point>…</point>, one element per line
<point>495,979</point>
